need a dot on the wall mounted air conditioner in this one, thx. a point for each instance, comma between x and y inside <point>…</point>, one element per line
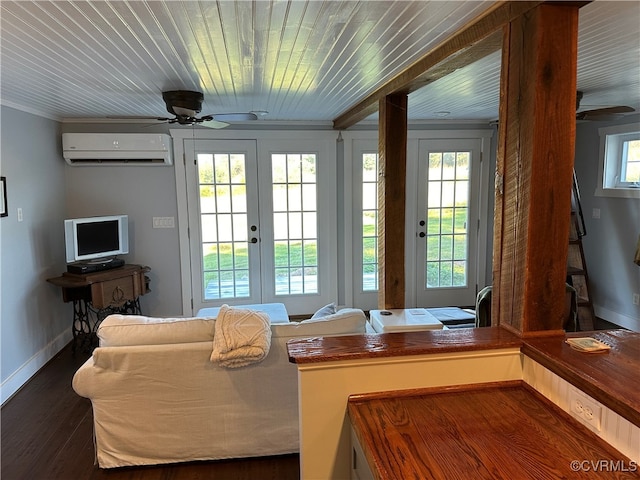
<point>117,149</point>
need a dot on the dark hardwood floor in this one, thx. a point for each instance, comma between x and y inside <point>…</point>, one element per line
<point>47,434</point>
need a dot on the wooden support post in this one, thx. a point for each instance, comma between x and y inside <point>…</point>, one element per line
<point>392,164</point>
<point>534,169</point>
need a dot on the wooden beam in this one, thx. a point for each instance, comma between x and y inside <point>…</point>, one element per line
<point>392,178</point>
<point>474,41</point>
<point>534,169</point>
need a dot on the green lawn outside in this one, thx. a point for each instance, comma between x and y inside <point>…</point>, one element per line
<point>287,254</point>
<point>446,244</point>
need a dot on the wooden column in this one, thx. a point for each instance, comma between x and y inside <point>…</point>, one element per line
<point>534,169</point>
<point>392,164</point>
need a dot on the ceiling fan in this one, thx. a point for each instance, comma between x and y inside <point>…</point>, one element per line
<point>185,105</point>
<point>607,113</point>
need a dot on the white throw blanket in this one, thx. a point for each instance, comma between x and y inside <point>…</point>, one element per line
<point>241,337</point>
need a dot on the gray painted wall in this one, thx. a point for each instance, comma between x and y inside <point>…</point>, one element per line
<point>34,322</point>
<point>142,193</point>
<point>611,240</point>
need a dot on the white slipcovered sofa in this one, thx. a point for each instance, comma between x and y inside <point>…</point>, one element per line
<point>157,397</point>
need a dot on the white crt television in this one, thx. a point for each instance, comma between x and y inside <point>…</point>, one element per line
<point>96,238</point>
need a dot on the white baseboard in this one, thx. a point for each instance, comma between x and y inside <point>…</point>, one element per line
<point>17,379</point>
<point>617,318</point>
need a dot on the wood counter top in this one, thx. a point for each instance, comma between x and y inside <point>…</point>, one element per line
<point>491,431</point>
<point>612,378</point>
<point>324,349</point>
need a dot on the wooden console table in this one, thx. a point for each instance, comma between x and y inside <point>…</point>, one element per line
<point>96,295</point>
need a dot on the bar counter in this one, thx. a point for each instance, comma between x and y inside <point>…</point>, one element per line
<point>354,347</point>
<point>495,431</point>
<point>333,369</point>
<point>612,378</point>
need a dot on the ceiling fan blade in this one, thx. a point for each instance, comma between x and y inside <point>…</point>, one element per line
<point>209,122</point>
<point>234,117</point>
<point>602,113</point>
<point>134,117</point>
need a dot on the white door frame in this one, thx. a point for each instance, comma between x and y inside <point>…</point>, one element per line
<point>351,200</point>
<point>249,150</point>
<point>324,142</point>
<point>485,189</point>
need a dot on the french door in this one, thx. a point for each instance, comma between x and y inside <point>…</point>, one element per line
<point>445,242</point>
<point>224,222</point>
<point>254,233</point>
<point>447,223</point>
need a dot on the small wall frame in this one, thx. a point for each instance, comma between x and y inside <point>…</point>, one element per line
<point>3,197</point>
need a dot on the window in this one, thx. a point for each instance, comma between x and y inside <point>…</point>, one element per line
<point>630,163</point>
<point>295,223</point>
<point>361,275</point>
<point>619,174</point>
<point>223,216</point>
<point>370,222</point>
<point>447,218</point>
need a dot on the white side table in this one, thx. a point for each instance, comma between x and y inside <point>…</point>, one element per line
<point>403,320</point>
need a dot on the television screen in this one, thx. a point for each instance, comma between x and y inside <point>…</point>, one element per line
<point>96,238</point>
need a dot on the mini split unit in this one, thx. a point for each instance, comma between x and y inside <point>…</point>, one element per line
<point>117,149</point>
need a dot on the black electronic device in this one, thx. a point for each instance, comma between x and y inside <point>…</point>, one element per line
<point>83,268</point>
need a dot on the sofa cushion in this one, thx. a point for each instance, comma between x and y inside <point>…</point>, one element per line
<point>348,321</point>
<point>325,311</point>
<point>120,330</point>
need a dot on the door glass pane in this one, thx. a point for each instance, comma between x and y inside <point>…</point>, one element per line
<point>223,223</point>
<point>295,223</point>
<point>369,222</point>
<point>447,219</point>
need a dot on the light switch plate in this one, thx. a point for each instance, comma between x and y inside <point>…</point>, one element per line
<point>163,222</point>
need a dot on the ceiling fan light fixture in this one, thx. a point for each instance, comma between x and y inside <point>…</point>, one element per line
<point>184,112</point>
<point>179,101</point>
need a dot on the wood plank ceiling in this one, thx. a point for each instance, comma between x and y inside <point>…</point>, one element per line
<point>297,60</point>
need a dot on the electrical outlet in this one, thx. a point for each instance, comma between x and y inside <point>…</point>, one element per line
<point>636,298</point>
<point>586,410</point>
<point>577,407</point>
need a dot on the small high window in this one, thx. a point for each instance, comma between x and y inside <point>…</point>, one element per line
<point>630,163</point>
<point>619,174</point>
